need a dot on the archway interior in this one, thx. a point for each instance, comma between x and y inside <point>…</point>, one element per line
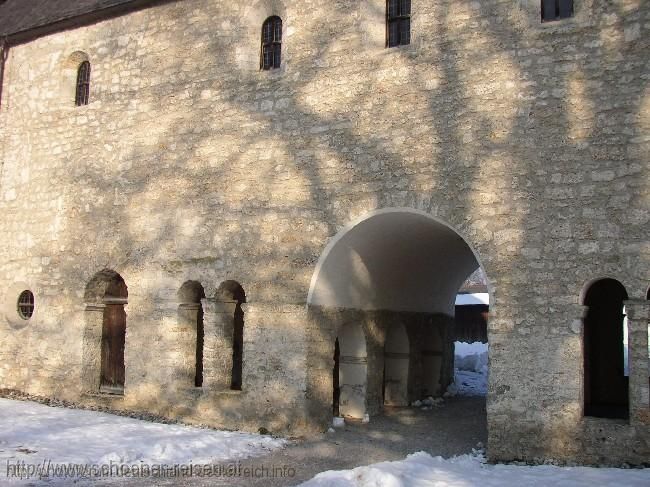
<point>605,383</point>
<point>396,274</point>
<point>397,261</point>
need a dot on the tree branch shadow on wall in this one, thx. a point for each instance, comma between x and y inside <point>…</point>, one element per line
<point>190,187</point>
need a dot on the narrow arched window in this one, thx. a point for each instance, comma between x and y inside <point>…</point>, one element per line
<point>82,93</point>
<point>271,43</point>
<point>398,13</point>
<point>605,383</point>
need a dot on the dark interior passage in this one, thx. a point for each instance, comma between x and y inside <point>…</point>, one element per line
<point>200,336</point>
<point>606,386</point>
<point>232,292</point>
<point>237,347</point>
<point>336,395</point>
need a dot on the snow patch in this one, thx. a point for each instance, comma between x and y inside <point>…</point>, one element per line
<point>422,470</point>
<point>471,370</point>
<point>37,433</point>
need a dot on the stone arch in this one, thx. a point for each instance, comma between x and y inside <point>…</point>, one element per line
<point>191,331</point>
<point>331,261</point>
<point>394,265</point>
<point>106,296</point>
<point>396,366</point>
<point>232,296</point>
<point>353,370</point>
<point>605,385</point>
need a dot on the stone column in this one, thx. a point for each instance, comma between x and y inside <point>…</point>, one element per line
<point>637,311</point>
<point>218,323</point>
<point>184,346</point>
<point>576,329</point>
<point>91,355</point>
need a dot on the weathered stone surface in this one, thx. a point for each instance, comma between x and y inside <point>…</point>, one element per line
<point>189,163</point>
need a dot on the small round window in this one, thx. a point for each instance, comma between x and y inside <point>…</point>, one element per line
<point>26,305</point>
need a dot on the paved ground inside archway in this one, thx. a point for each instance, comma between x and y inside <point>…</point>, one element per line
<point>451,429</point>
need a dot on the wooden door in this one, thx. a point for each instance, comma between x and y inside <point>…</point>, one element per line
<point>113,338</point>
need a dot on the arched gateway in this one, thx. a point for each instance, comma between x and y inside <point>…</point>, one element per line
<point>393,275</point>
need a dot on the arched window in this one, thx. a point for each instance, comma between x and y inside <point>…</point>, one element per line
<point>606,386</point>
<point>231,292</point>
<point>398,13</point>
<point>106,296</point>
<point>82,94</point>
<point>272,43</point>
<point>26,304</point>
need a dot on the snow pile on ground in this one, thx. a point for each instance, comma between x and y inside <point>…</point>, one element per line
<point>428,403</point>
<point>33,433</point>
<point>470,376</point>
<point>423,470</point>
<point>468,384</point>
<point>471,356</point>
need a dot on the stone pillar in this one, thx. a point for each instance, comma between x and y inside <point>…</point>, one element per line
<point>637,311</point>
<point>184,345</point>
<point>353,373</point>
<point>91,356</point>
<point>576,328</point>
<point>218,324</point>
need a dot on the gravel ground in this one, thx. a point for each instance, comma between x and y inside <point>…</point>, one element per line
<point>451,429</point>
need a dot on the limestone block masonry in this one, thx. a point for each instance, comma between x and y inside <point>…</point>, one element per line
<point>529,140</point>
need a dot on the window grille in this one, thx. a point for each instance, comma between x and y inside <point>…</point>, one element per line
<point>271,43</point>
<point>83,84</point>
<point>26,305</point>
<point>398,22</point>
<point>556,9</point>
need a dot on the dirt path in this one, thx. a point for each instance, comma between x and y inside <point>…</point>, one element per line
<point>452,429</point>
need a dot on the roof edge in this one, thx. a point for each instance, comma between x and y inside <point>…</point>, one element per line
<point>93,17</point>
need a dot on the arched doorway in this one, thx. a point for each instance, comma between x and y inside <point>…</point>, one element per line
<point>106,297</point>
<point>190,318</point>
<point>396,366</point>
<point>605,384</point>
<point>353,371</point>
<point>231,293</point>
<point>393,266</point>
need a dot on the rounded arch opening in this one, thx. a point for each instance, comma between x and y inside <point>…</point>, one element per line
<point>105,285</point>
<point>191,292</point>
<point>395,258</point>
<point>106,296</point>
<point>230,291</point>
<point>399,271</point>
<point>605,382</point>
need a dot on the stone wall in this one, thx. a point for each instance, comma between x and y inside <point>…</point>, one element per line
<point>190,163</point>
